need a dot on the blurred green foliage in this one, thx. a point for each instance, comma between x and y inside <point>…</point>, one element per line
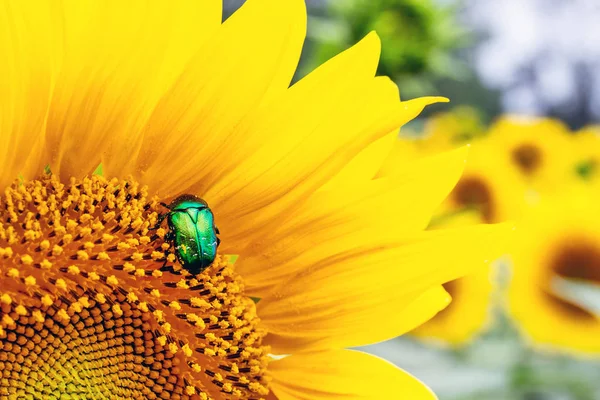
<point>419,39</point>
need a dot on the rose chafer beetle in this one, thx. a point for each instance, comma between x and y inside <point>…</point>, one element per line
<point>192,231</point>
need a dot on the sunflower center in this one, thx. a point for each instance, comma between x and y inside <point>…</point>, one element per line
<point>527,157</point>
<point>578,262</point>
<point>472,192</point>
<point>93,304</point>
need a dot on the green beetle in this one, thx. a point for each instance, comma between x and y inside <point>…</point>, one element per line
<point>192,231</point>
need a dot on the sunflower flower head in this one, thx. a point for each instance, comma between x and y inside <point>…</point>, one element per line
<point>559,242</point>
<point>87,307</point>
<point>98,297</point>
<point>539,150</point>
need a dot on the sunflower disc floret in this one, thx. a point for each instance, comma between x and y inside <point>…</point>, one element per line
<point>94,304</point>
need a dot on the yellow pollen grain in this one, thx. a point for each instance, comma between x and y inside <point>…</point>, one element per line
<point>162,340</point>
<point>71,224</point>
<point>128,267</point>
<point>44,244</point>
<point>199,302</point>
<point>166,327</point>
<point>38,316</point>
<point>6,299</point>
<point>82,255</point>
<point>47,300</point>
<point>30,281</point>
<point>140,272</point>
<point>116,308</point>
<point>76,307</point>
<point>137,256</point>
<point>57,250</point>
<point>61,284</point>
<point>62,314</point>
<point>157,273</point>
<point>209,352</point>
<point>84,301</point>
<point>103,256</point>
<point>73,270</point>
<point>143,306</point>
<point>155,293</point>
<point>131,297</point>
<point>107,238</point>
<point>8,321</point>
<point>45,264</point>
<point>100,298</point>
<point>6,252</point>
<point>93,276</point>
<point>172,348</point>
<point>227,387</point>
<point>175,305</point>
<point>159,315</point>
<point>182,284</point>
<point>20,310</point>
<point>27,259</point>
<point>112,280</point>
<point>190,390</point>
<point>186,350</point>
<point>123,246</point>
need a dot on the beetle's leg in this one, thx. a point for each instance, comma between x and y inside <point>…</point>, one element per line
<point>217,230</point>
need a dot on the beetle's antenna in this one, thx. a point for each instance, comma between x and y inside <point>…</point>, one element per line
<point>165,205</point>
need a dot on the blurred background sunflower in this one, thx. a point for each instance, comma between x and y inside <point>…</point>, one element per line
<point>524,80</point>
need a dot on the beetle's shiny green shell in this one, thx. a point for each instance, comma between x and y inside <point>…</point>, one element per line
<point>193,232</point>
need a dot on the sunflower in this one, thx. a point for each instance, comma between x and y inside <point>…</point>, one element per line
<point>558,240</point>
<point>469,312</point>
<point>538,150</point>
<point>487,185</point>
<point>110,109</point>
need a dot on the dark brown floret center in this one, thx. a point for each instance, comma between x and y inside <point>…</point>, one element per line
<point>528,158</point>
<point>472,192</point>
<point>578,261</point>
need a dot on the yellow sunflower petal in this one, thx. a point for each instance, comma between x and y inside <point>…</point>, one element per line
<point>346,374</point>
<point>27,41</point>
<point>410,313</point>
<point>336,220</point>
<point>313,131</point>
<point>113,68</point>
<point>365,287</point>
<point>368,162</point>
<point>194,129</point>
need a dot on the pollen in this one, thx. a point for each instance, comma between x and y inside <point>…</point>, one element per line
<point>93,302</point>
